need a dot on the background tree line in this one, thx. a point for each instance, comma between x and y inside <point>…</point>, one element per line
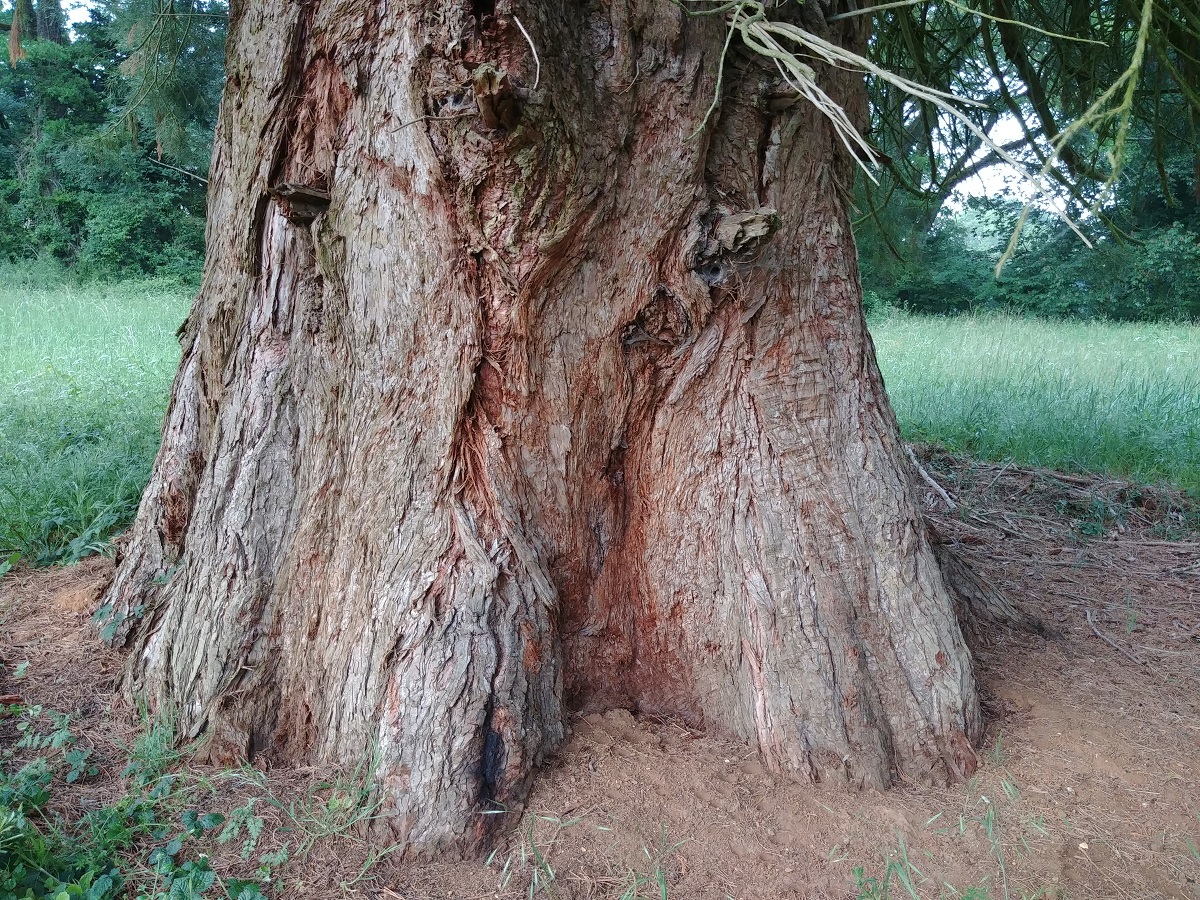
<point>101,124</point>
<point>942,261</point>
<point>102,158</point>
<point>1097,100</point>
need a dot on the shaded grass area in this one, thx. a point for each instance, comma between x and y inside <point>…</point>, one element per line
<point>85,373</point>
<point>1123,399</point>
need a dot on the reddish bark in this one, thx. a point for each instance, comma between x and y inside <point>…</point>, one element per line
<point>497,401</point>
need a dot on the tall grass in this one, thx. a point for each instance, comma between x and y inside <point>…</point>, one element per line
<point>1091,397</point>
<point>85,373</point>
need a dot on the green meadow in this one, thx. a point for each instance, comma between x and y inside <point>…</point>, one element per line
<point>1121,399</point>
<point>85,373</point>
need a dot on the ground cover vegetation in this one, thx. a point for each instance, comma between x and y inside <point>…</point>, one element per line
<point>85,816</point>
<point>85,372</point>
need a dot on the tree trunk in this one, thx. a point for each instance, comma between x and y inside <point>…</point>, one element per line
<point>50,21</point>
<point>505,395</point>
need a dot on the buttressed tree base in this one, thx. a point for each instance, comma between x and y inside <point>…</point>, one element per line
<point>517,385</point>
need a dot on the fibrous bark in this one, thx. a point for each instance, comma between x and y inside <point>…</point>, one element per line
<point>498,401</point>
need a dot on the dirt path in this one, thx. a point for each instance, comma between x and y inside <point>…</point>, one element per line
<point>1089,784</point>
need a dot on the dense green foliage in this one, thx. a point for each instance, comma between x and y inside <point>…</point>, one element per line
<point>91,151</point>
<point>84,379</point>
<point>99,128</point>
<point>922,254</point>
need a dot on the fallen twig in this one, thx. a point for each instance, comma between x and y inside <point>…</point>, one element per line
<point>1009,531</point>
<point>928,479</point>
<point>1004,469</point>
<point>1111,642</point>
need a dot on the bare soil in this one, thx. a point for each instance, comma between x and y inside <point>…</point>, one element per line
<point>1089,777</point>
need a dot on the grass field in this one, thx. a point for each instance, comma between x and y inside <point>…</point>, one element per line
<point>1093,397</point>
<point>84,379</point>
<point>85,374</point>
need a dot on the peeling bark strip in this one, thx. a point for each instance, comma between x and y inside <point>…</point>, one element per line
<point>496,401</point>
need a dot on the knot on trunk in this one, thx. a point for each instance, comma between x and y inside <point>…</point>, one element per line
<point>733,234</point>
<point>301,203</point>
<point>663,322</point>
<point>495,97</point>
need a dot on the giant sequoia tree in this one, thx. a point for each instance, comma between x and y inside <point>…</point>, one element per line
<point>521,381</point>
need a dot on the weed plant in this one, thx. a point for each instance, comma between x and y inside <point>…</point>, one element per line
<point>152,839</point>
<point>85,373</point>
<point>44,856</point>
<point>1074,396</point>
